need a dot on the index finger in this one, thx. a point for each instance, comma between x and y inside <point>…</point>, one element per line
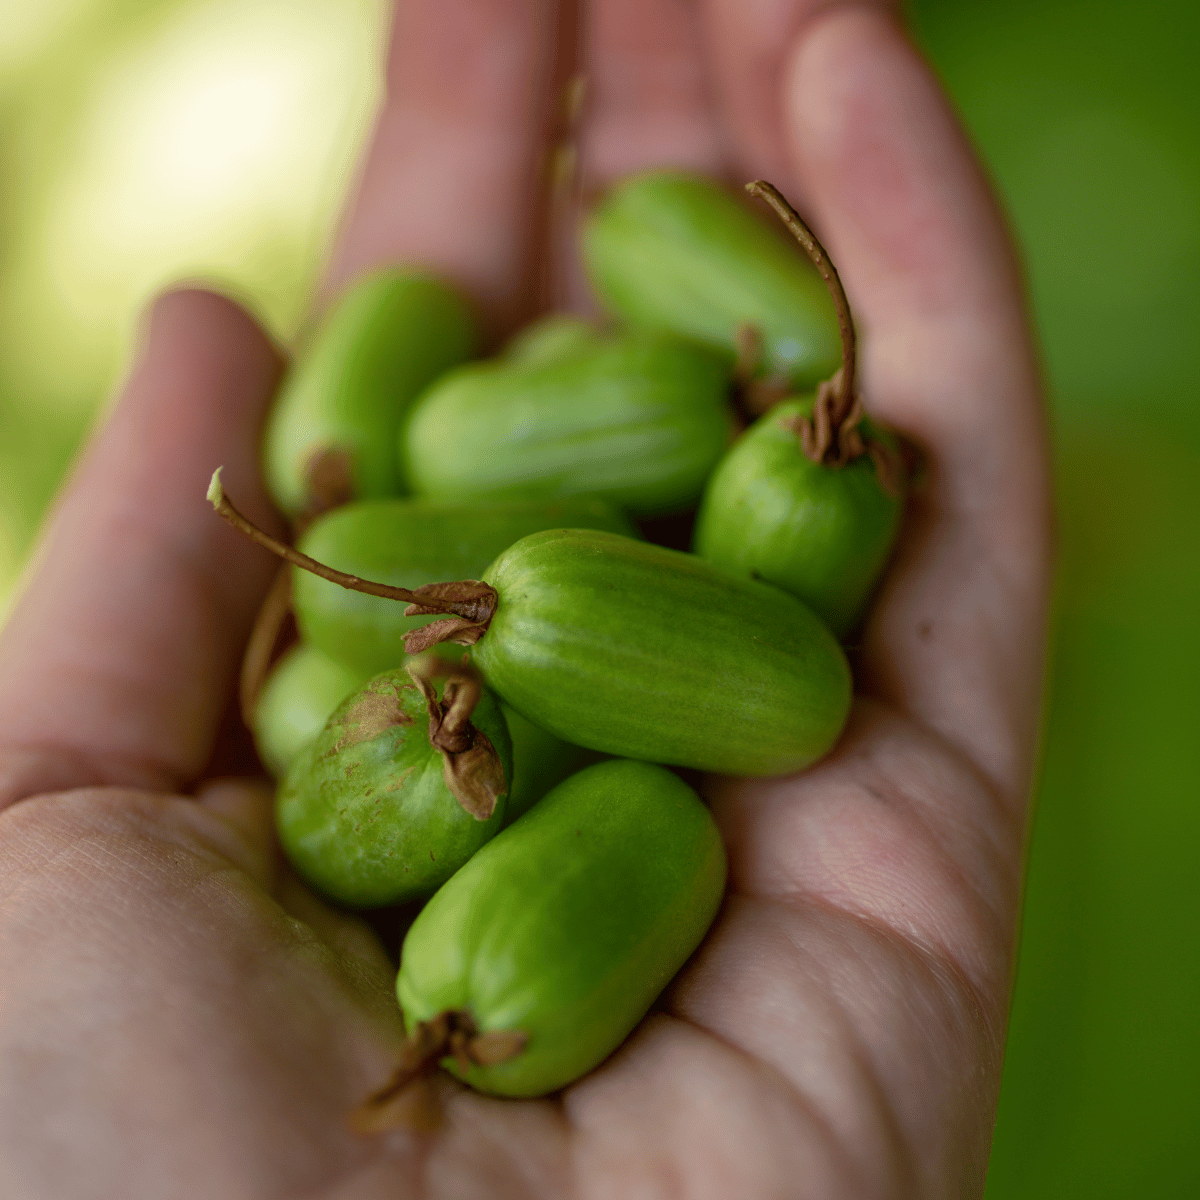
<point>452,174</point>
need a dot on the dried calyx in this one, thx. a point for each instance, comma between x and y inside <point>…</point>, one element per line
<point>832,435</point>
<point>405,1099</point>
<point>329,474</point>
<point>469,602</point>
<point>470,765</point>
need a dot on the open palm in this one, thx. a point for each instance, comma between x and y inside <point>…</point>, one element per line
<point>179,1017</point>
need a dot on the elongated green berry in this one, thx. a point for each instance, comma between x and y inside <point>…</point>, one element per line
<point>635,650</point>
<point>549,946</point>
<point>331,433</point>
<point>674,251</point>
<point>639,420</point>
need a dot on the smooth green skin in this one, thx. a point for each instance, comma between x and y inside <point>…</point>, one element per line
<point>389,336</point>
<point>669,250</point>
<point>643,652</point>
<point>408,543</point>
<point>570,923</point>
<point>822,534</point>
<point>304,687</point>
<point>541,761</point>
<point>551,338</point>
<point>371,822</point>
<point>638,419</point>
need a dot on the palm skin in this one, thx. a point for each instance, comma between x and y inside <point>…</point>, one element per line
<point>181,1018</point>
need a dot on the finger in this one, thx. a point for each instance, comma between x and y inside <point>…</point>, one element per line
<point>648,104</point>
<point>119,658</point>
<point>750,44</point>
<point>958,635</point>
<point>244,833</point>
<point>452,174</point>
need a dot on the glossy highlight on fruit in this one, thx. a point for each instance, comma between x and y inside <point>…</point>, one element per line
<point>565,927</point>
<point>365,814</point>
<point>637,419</point>
<point>675,251</point>
<point>331,433</point>
<point>635,650</point>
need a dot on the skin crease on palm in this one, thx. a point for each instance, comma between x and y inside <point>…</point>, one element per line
<point>179,1017</point>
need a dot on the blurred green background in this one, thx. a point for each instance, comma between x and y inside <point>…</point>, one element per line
<point>144,141</point>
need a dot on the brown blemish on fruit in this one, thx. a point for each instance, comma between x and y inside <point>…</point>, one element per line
<point>376,710</point>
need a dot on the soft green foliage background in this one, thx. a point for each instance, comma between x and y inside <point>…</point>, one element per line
<point>144,141</point>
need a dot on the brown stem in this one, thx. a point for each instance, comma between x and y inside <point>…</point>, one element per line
<point>469,599</point>
<point>256,662</point>
<point>451,1034</point>
<point>832,435</point>
<point>828,272</point>
<point>558,198</point>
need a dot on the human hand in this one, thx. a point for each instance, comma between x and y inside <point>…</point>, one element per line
<point>182,1018</point>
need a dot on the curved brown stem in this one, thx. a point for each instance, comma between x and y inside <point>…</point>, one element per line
<point>451,1034</point>
<point>832,435</point>
<point>828,272</point>
<point>469,599</point>
<point>256,662</point>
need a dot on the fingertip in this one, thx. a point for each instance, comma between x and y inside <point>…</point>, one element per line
<point>199,392</point>
<point>902,197</point>
<point>197,322</point>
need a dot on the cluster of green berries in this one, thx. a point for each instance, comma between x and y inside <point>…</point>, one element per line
<point>502,744</point>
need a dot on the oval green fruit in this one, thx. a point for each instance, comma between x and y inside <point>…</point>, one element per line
<point>649,653</point>
<point>823,534</point>
<point>568,925</point>
<point>365,815</point>
<point>674,251</point>
<point>387,337</point>
<point>640,420</point>
<point>408,543</point>
<point>304,687</point>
